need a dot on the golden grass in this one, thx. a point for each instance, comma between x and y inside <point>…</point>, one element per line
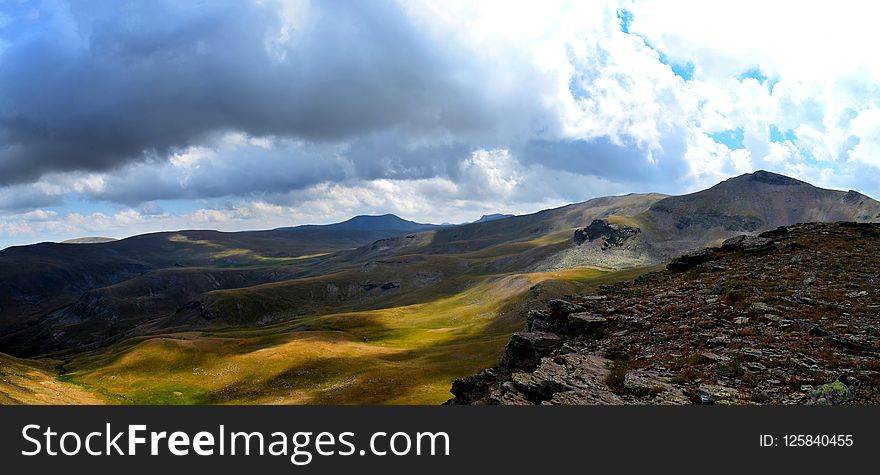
<point>401,355</point>
<point>35,382</point>
<point>623,221</point>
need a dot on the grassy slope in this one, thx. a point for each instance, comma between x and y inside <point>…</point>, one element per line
<point>401,355</point>
<point>34,280</point>
<point>462,293</point>
<point>33,382</point>
<point>459,300</point>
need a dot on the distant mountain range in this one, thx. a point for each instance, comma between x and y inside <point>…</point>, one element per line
<point>372,223</point>
<point>108,299</point>
<point>385,222</point>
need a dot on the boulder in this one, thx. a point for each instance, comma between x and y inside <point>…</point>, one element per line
<point>561,308</point>
<point>471,388</point>
<point>749,244</point>
<point>689,260</point>
<point>525,350</point>
<point>538,321</point>
<point>540,385</point>
<point>589,323</point>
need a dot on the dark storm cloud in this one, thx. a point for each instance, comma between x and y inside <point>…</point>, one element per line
<point>24,198</point>
<point>622,162</point>
<point>248,170</point>
<point>97,85</point>
<point>385,155</point>
<point>344,91</point>
<point>230,171</point>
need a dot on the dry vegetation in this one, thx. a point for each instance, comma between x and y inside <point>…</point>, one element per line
<point>401,355</point>
<point>30,382</point>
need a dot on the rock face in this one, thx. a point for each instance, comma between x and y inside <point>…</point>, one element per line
<point>749,244</point>
<point>611,235</point>
<point>785,317</point>
<point>524,351</point>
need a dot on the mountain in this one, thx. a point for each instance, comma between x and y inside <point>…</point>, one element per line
<point>749,203</point>
<point>764,319</point>
<point>383,309</point>
<point>385,222</point>
<point>752,203</point>
<point>492,217</point>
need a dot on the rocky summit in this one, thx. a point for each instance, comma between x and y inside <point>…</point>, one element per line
<point>790,316</point>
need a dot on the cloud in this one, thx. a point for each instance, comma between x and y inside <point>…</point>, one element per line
<point>27,197</point>
<point>866,126</point>
<point>793,82</point>
<point>222,170</point>
<point>264,113</point>
<point>81,90</point>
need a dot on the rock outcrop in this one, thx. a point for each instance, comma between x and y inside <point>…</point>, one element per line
<point>786,317</point>
<point>610,234</point>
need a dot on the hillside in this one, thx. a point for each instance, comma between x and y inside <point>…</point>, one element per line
<point>29,382</point>
<point>129,287</point>
<point>374,291</point>
<point>57,274</point>
<point>788,317</point>
<point>398,354</point>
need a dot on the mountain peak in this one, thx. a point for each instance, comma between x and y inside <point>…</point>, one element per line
<point>370,222</point>
<point>769,178</point>
<point>375,217</point>
<point>386,221</point>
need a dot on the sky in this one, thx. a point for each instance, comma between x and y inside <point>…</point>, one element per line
<point>124,117</point>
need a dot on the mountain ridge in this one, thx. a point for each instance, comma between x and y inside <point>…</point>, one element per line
<point>662,227</point>
<point>362,222</point>
<point>357,284</point>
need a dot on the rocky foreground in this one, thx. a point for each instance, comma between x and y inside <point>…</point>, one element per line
<point>791,316</point>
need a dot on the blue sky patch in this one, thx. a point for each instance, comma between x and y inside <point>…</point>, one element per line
<point>733,138</point>
<point>626,18</point>
<point>684,71</point>
<point>758,75</point>
<point>777,135</point>
<point>754,73</point>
